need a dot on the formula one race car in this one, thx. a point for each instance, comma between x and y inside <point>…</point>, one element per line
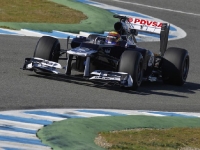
<point>115,57</point>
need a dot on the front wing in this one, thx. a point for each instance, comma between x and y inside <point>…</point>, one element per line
<point>35,64</point>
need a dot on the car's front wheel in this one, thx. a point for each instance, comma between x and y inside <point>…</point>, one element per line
<point>47,48</point>
<point>131,62</point>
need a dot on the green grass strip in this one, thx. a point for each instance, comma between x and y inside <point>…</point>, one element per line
<point>79,134</point>
<point>99,20</point>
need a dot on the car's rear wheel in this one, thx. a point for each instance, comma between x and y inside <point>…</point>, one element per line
<point>47,48</point>
<point>131,62</point>
<point>175,66</point>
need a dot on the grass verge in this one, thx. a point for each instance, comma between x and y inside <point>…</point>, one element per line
<point>98,20</point>
<point>150,139</point>
<point>79,134</point>
<point>38,11</point>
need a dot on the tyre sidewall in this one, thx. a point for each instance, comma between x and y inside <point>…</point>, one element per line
<point>130,62</point>
<point>47,48</point>
<point>173,65</point>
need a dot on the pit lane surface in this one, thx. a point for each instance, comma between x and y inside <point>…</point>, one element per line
<point>26,90</point>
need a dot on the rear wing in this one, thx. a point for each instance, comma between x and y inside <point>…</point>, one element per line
<point>149,26</point>
<point>144,25</point>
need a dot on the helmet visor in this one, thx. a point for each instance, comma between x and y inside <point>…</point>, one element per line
<point>111,39</point>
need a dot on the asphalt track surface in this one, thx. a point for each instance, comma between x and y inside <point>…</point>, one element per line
<point>26,90</point>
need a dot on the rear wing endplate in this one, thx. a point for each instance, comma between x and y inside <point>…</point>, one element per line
<point>164,38</point>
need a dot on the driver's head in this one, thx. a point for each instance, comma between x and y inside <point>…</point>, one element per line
<point>113,37</point>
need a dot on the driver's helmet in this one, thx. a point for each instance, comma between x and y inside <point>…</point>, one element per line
<point>113,37</point>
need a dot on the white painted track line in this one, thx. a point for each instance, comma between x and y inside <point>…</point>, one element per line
<point>18,134</point>
<point>22,146</point>
<point>33,116</point>
<point>160,8</point>
<point>20,124</point>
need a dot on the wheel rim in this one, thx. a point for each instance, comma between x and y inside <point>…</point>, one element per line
<point>185,69</point>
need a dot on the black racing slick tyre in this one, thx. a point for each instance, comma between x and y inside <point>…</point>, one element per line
<point>47,48</point>
<point>175,66</point>
<point>131,62</point>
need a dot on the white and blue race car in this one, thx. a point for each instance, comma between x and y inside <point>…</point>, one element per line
<point>99,57</point>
